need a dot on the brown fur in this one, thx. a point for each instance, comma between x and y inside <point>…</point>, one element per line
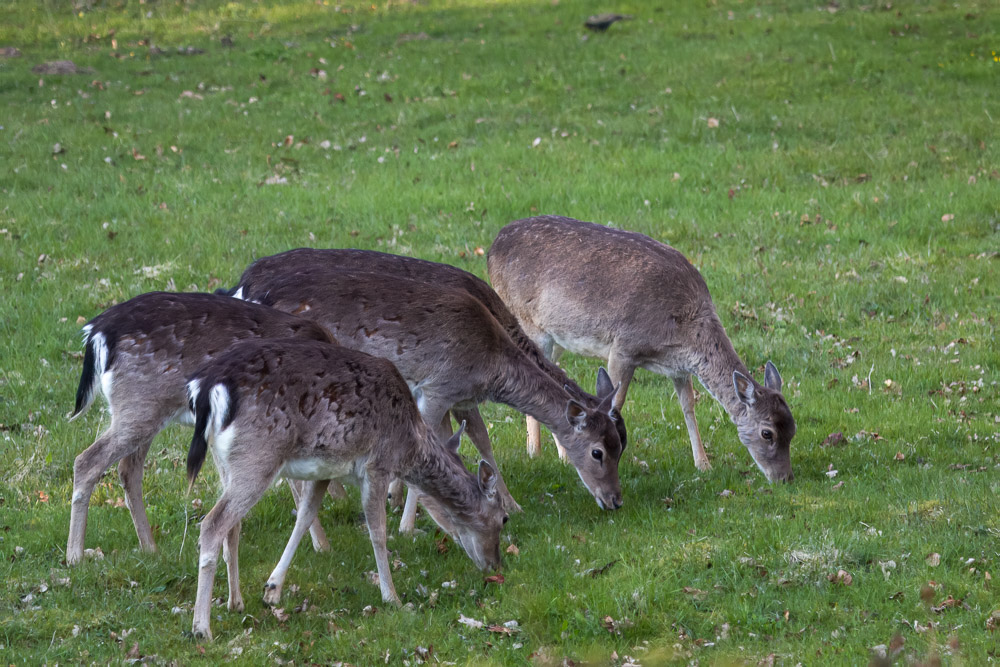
<point>451,351</point>
<point>639,303</point>
<point>151,344</point>
<point>314,411</point>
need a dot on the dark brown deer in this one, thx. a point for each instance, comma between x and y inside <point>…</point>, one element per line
<point>451,351</point>
<point>621,296</point>
<point>446,275</point>
<point>138,354</point>
<point>317,412</point>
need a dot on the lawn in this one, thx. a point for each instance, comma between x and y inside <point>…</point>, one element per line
<point>832,169</point>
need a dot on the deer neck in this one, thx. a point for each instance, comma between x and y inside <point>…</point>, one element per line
<point>440,474</point>
<point>528,389</point>
<point>714,363</point>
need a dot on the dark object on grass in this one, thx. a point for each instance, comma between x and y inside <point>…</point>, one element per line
<point>60,67</point>
<point>10,52</point>
<point>226,41</point>
<point>602,22</point>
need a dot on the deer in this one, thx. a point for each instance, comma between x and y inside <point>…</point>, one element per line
<point>312,411</point>
<point>138,355</point>
<point>622,296</point>
<point>452,353</point>
<point>450,276</point>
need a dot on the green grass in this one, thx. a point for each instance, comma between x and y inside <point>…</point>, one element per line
<point>844,213</point>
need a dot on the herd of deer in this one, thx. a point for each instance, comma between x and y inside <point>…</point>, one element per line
<point>348,365</point>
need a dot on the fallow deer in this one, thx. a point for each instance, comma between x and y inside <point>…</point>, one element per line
<point>452,352</point>
<point>446,275</point>
<point>317,412</point>
<point>621,296</point>
<point>138,354</point>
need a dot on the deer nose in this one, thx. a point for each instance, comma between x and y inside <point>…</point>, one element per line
<point>614,501</point>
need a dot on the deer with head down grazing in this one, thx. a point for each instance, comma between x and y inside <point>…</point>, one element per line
<point>451,351</point>
<point>138,354</point>
<point>621,296</point>
<point>446,275</point>
<point>316,412</point>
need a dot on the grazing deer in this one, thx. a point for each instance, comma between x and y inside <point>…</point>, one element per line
<point>138,354</point>
<point>452,352</point>
<point>318,412</point>
<point>638,303</point>
<point>445,275</point>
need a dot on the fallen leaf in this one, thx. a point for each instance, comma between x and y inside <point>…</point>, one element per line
<point>947,217</point>
<point>500,629</point>
<point>838,485</point>
<point>471,622</point>
<point>725,493</point>
<point>694,592</point>
<point>933,559</point>
<point>279,613</point>
<point>369,611</point>
<point>513,550</point>
<point>494,579</point>
<point>832,440</point>
<point>900,456</point>
<point>841,577</point>
<point>993,622</point>
<point>948,603</point>
<point>713,122</point>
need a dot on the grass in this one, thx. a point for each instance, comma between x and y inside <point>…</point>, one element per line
<point>844,212</point>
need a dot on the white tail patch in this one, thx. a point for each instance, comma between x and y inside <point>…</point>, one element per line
<point>100,346</point>
<point>193,387</point>
<point>218,400</point>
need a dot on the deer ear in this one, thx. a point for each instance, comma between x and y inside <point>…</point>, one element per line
<point>576,414</point>
<point>487,479</point>
<point>456,439</point>
<point>604,385</point>
<point>744,388</point>
<point>772,378</point>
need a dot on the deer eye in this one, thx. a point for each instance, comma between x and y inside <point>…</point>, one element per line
<point>505,517</point>
<point>597,454</point>
<point>767,435</point>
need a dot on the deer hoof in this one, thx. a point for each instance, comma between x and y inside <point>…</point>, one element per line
<point>272,594</point>
<point>201,632</point>
<point>703,465</point>
<point>236,605</point>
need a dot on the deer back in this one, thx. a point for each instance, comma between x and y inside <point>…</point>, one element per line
<point>148,345</point>
<point>578,281</point>
<point>312,407</point>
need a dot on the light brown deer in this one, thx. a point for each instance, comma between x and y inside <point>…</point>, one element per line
<point>317,412</point>
<point>138,354</point>
<point>446,275</point>
<point>452,353</point>
<point>621,296</point>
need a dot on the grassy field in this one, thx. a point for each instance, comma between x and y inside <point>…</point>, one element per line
<point>832,169</point>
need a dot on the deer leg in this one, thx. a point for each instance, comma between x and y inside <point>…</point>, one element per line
<point>89,465</point>
<point>396,491</point>
<point>408,521</point>
<point>480,436</point>
<point>620,370</point>
<point>130,470</point>
<point>230,554</point>
<point>433,413</point>
<point>312,497</point>
<point>373,491</point>
<point>316,532</point>
<point>551,352</point>
<point>685,394</point>
<point>214,529</point>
